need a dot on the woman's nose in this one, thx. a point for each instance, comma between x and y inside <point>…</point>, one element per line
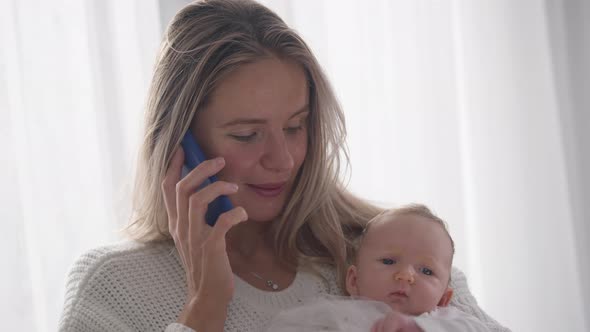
<point>406,274</point>
<point>277,156</point>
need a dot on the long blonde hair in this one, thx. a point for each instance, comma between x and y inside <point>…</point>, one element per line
<point>205,41</point>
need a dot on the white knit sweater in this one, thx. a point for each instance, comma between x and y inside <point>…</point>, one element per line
<point>138,287</point>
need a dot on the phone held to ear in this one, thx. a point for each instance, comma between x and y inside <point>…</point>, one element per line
<point>193,156</point>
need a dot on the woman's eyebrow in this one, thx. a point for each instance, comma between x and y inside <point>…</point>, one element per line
<point>303,109</point>
<point>243,121</point>
<point>238,121</point>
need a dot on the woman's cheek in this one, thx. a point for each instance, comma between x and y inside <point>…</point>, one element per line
<point>299,150</point>
<point>237,162</point>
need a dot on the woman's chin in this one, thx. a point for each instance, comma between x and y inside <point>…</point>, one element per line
<point>262,217</point>
<point>265,210</point>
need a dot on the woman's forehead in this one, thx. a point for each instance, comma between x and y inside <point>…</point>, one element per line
<point>261,88</point>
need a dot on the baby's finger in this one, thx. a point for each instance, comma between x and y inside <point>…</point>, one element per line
<point>378,326</point>
<point>391,322</point>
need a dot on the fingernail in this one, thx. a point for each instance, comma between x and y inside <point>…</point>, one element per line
<point>219,161</point>
<point>234,187</point>
<point>244,215</point>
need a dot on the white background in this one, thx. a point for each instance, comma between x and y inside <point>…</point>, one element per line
<point>479,109</point>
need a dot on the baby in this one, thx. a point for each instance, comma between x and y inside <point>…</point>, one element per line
<point>399,281</point>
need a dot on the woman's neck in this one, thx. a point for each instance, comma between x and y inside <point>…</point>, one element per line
<point>250,239</point>
<point>252,258</point>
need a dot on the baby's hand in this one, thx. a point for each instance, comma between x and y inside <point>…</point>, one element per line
<point>396,322</point>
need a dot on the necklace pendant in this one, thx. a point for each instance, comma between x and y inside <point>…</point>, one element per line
<point>272,285</point>
<point>269,282</point>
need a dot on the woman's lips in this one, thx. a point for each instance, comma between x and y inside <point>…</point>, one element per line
<point>269,189</point>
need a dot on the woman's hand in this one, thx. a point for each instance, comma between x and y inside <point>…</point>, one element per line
<point>396,322</point>
<point>201,248</point>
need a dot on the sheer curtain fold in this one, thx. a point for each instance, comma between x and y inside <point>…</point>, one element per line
<point>521,201</point>
<point>74,81</point>
<point>569,29</point>
<point>470,107</point>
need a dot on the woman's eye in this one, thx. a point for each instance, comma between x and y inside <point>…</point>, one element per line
<point>388,261</point>
<point>426,271</point>
<point>292,130</point>
<point>243,138</point>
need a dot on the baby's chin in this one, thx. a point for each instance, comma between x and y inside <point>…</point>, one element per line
<point>405,308</point>
<point>399,307</point>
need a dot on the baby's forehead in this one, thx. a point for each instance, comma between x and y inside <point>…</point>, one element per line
<point>392,221</point>
<point>381,232</point>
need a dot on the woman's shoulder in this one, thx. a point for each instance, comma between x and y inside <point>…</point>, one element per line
<point>123,257</point>
<point>129,251</point>
<point>117,279</point>
<point>458,282</point>
<point>127,262</point>
<point>328,275</point>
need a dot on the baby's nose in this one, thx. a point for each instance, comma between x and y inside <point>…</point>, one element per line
<point>405,275</point>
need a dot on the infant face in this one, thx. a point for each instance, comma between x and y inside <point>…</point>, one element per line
<point>404,261</point>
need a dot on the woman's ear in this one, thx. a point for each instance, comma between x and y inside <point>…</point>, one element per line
<point>351,281</point>
<point>446,298</point>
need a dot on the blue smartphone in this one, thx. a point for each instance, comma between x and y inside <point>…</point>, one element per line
<point>193,155</point>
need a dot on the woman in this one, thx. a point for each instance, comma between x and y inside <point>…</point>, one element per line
<point>251,92</point>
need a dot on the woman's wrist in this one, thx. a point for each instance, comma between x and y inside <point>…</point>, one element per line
<point>203,316</point>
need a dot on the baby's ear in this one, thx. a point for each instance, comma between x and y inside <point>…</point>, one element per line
<point>351,286</point>
<point>446,298</point>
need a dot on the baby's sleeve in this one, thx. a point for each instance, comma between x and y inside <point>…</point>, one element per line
<point>329,313</point>
<point>450,319</point>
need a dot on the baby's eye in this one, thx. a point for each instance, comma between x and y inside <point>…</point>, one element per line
<point>426,271</point>
<point>388,261</point>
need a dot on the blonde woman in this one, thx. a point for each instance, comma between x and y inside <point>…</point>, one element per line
<point>253,95</point>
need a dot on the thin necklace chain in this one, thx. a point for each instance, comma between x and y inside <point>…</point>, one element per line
<point>268,282</point>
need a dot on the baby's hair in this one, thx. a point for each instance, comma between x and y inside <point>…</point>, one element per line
<point>405,210</point>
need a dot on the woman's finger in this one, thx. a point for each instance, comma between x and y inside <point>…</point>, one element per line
<point>187,187</point>
<point>169,184</point>
<point>224,223</point>
<point>198,204</point>
<point>216,279</point>
<point>199,174</point>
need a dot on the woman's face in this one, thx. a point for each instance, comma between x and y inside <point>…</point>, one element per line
<point>257,120</point>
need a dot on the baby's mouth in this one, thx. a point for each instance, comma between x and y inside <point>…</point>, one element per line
<point>399,294</point>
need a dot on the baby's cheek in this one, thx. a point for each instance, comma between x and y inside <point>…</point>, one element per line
<point>432,296</point>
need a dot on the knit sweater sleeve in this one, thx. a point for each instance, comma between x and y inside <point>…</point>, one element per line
<point>124,287</point>
<point>83,309</point>
<point>464,301</point>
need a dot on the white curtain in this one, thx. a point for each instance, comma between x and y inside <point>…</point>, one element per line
<point>74,76</point>
<point>476,108</point>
